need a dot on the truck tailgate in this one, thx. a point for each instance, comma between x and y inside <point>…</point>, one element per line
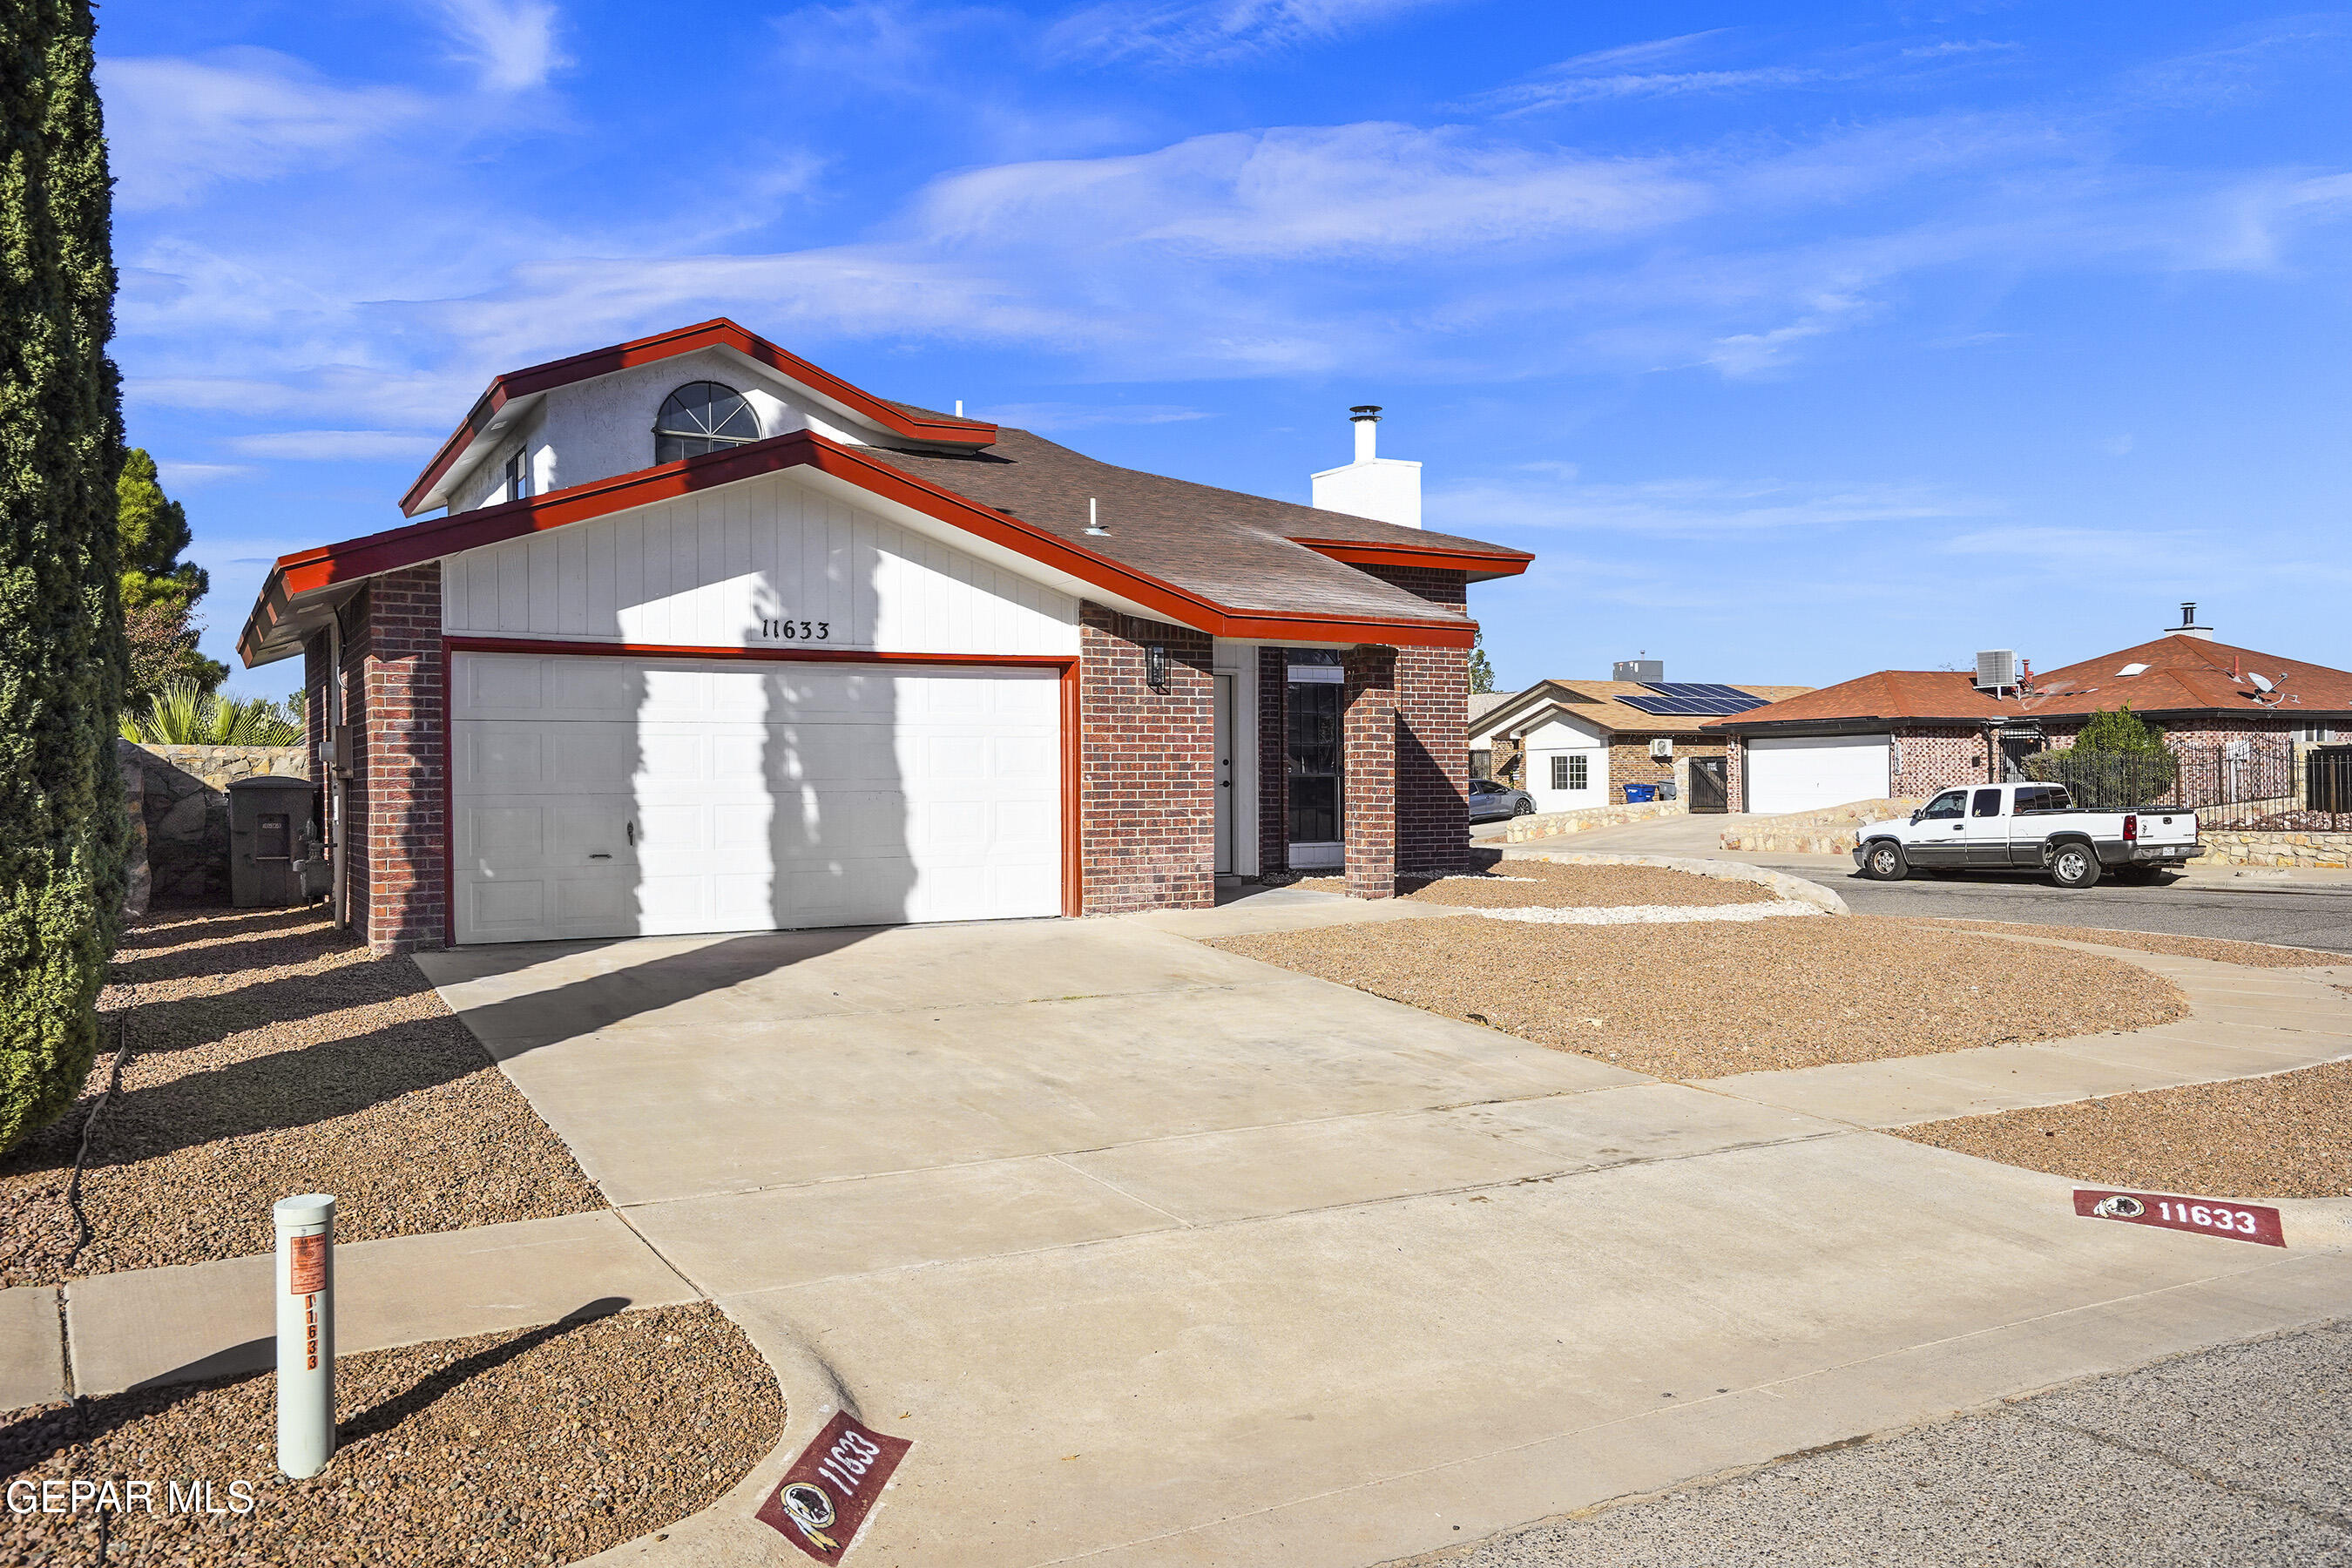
<point>2168,828</point>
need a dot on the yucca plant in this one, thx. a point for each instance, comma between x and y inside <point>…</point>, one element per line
<point>184,714</point>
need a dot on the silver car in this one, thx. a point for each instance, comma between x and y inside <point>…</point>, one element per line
<point>1491,802</point>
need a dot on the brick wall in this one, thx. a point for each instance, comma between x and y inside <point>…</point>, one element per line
<point>1939,758</point>
<point>1433,744</point>
<point>1147,767</point>
<point>1273,762</point>
<point>1630,761</point>
<point>406,712</point>
<point>1368,742</point>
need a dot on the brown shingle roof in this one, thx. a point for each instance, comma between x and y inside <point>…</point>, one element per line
<point>1598,701</point>
<point>2191,674</point>
<point>1235,548</point>
<point>2184,675</point>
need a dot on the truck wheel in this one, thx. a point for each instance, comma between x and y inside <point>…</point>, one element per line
<point>1884,862</point>
<point>2074,865</point>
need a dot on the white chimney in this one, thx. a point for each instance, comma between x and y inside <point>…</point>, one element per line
<point>1387,489</point>
<point>2188,626</point>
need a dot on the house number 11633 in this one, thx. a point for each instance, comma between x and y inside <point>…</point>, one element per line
<point>797,631</point>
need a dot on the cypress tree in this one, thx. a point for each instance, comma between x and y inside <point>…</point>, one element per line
<point>62,830</point>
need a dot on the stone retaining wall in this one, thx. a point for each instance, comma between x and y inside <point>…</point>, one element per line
<point>2226,847</point>
<point>1828,831</point>
<point>1553,824</point>
<point>183,796</point>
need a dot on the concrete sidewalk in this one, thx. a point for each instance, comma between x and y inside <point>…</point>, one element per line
<point>147,1327</point>
<point>1162,1256</point>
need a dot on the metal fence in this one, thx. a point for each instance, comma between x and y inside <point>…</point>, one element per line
<point>2250,776</point>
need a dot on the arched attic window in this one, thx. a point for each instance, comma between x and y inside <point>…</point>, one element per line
<point>702,416</point>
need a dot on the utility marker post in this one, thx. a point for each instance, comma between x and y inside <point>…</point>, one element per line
<point>306,1333</point>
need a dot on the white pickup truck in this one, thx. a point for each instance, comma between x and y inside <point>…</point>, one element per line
<point>2026,826</point>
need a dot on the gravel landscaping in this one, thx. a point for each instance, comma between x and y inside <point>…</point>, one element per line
<point>2277,1137</point>
<point>269,1054</point>
<point>1540,884</point>
<point>2253,954</point>
<point>538,1445</point>
<point>1697,1001</point>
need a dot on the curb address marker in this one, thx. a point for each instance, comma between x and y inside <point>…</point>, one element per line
<point>2203,1216</point>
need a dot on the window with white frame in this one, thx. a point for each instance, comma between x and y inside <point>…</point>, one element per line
<point>702,416</point>
<point>1568,772</point>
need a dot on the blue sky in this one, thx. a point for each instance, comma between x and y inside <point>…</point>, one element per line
<point>1796,341</point>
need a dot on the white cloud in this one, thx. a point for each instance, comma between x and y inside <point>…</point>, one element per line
<point>1304,192</point>
<point>180,476</point>
<point>177,126</point>
<point>1625,72</point>
<point>1212,31</point>
<point>512,43</point>
<point>335,446</point>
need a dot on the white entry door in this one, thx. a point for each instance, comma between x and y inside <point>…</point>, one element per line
<point>597,796</point>
<point>1224,739</point>
<point>1805,772</point>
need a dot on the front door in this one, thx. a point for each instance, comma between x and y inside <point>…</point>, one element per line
<point>1709,790</point>
<point>1225,743</point>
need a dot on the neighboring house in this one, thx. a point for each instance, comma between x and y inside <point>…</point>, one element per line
<point>709,639</point>
<point>1482,757</point>
<point>1574,744</point>
<point>2238,721</point>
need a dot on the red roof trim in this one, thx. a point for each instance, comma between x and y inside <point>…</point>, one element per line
<point>719,334</point>
<point>309,571</point>
<point>1359,553</point>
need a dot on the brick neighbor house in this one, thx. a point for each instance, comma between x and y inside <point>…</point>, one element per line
<point>1576,744</point>
<point>705,639</point>
<point>2243,726</point>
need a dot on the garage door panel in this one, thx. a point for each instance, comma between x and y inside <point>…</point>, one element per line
<point>763,795</point>
<point>1807,773</point>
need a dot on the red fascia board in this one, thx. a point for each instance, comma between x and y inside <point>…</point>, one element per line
<point>718,333</point>
<point>309,571</point>
<point>1358,552</point>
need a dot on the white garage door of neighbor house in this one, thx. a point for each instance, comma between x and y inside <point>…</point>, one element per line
<point>613,796</point>
<point>1805,772</point>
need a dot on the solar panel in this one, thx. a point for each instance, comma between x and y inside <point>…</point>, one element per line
<point>1699,689</point>
<point>1692,699</point>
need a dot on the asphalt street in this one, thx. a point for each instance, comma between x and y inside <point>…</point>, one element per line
<point>2314,917</point>
<point>2230,1456</point>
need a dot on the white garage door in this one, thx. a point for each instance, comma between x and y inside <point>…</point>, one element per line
<point>598,796</point>
<point>1805,772</point>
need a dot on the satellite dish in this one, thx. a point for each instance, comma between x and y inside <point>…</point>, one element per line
<point>2261,684</point>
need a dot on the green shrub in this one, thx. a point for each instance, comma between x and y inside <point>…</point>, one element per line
<point>2118,761</point>
<point>184,714</point>
<point>62,827</point>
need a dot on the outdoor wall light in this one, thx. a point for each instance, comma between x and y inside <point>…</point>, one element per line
<point>1155,665</point>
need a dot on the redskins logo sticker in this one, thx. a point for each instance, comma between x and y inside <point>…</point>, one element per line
<point>2119,1206</point>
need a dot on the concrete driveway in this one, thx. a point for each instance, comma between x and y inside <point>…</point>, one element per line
<point>1162,1256</point>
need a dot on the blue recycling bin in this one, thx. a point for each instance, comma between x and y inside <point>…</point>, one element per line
<point>1641,794</point>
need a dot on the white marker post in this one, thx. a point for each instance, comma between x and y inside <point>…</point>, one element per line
<point>306,1333</point>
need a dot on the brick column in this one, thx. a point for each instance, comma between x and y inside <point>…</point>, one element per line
<point>1368,732</point>
<point>1147,766</point>
<point>1273,762</point>
<point>407,705</point>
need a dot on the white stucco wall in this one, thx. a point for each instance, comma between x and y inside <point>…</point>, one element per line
<point>596,428</point>
<point>1562,736</point>
<point>723,567</point>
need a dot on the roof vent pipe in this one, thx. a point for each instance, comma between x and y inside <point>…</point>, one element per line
<point>1366,417</point>
<point>2188,626</point>
<point>1094,524</point>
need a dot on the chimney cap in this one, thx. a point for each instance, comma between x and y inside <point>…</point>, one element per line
<point>1365,411</point>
